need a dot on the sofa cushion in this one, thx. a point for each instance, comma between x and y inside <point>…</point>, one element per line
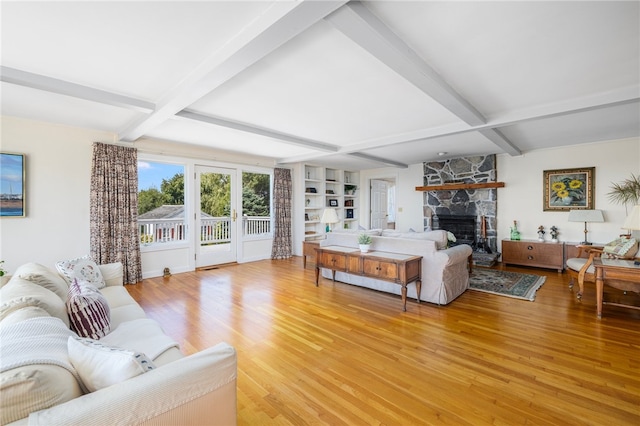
<point>89,312</point>
<point>44,277</point>
<point>19,293</point>
<point>22,314</point>
<point>82,268</point>
<point>34,387</point>
<point>439,236</point>
<point>112,273</point>
<point>100,366</point>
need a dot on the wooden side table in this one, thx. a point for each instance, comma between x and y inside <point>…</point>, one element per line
<point>309,249</point>
<point>616,273</point>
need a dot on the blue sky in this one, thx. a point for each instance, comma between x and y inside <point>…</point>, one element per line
<point>150,174</point>
<point>11,167</point>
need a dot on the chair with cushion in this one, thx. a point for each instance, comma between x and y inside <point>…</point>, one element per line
<point>581,268</point>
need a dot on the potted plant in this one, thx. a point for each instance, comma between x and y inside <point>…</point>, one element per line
<point>364,241</point>
<point>626,192</point>
<point>350,189</point>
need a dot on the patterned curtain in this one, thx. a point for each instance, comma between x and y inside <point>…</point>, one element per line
<point>282,200</point>
<point>114,208</point>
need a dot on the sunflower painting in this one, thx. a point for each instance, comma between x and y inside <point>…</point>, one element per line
<point>568,189</point>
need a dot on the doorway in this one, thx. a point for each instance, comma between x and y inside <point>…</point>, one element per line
<point>215,216</point>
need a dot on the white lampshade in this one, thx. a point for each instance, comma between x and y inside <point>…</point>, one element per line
<point>585,216</point>
<point>633,220</point>
<point>329,216</point>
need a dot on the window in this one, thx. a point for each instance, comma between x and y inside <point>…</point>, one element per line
<point>256,204</point>
<point>161,208</point>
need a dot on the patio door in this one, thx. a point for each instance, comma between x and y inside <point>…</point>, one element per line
<point>215,216</point>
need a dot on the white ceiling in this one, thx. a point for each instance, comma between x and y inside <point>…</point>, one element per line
<point>343,84</point>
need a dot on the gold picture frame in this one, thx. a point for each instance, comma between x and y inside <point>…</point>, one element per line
<point>569,189</point>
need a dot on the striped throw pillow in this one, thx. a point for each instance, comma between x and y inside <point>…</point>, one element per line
<point>88,310</point>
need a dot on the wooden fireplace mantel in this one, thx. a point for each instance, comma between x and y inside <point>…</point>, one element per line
<point>454,186</point>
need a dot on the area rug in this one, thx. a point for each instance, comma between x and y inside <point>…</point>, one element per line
<point>504,283</point>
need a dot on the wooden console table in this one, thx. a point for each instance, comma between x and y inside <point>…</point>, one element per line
<point>617,273</point>
<point>401,269</point>
<point>309,249</point>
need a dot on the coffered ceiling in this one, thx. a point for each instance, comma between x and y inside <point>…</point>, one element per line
<point>344,84</point>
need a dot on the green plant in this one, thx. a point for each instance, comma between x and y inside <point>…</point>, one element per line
<point>626,192</point>
<point>364,239</point>
<point>348,187</point>
<point>2,270</point>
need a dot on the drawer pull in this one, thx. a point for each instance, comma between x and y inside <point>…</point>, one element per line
<point>530,257</point>
<point>529,247</point>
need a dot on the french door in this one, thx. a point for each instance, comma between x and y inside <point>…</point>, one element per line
<point>215,216</point>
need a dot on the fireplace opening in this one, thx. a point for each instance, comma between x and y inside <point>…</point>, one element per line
<point>462,226</point>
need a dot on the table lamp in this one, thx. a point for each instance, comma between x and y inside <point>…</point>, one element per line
<point>585,216</point>
<point>632,222</point>
<point>329,216</point>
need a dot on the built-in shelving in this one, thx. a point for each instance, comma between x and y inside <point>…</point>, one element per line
<point>329,188</point>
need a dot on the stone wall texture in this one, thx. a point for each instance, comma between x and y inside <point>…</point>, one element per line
<point>473,202</point>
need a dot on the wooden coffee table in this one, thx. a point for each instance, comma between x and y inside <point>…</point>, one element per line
<point>397,268</point>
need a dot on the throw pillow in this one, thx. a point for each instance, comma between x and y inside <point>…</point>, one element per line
<point>83,268</point>
<point>44,277</point>
<point>88,310</point>
<point>622,248</point>
<point>19,293</point>
<point>100,366</point>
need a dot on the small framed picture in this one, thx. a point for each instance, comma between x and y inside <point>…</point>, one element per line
<point>12,180</point>
<point>333,203</point>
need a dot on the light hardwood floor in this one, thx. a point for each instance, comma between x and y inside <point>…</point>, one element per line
<point>339,354</point>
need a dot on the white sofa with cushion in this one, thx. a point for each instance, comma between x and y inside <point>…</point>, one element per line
<point>132,374</point>
<point>445,273</point>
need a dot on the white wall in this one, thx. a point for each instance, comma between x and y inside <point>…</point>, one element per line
<point>522,197</point>
<point>58,169</point>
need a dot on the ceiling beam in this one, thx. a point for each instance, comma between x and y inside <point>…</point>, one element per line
<point>358,23</point>
<point>283,137</point>
<point>277,25</point>
<point>61,87</point>
<point>379,160</point>
<point>604,100</point>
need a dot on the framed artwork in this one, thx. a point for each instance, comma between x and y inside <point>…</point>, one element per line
<point>12,185</point>
<point>333,203</point>
<point>569,189</point>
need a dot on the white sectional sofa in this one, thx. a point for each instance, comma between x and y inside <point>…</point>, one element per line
<point>38,386</point>
<point>445,273</point>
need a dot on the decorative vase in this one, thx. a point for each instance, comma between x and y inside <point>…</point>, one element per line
<point>364,248</point>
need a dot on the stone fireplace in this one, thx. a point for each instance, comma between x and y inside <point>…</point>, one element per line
<point>467,205</point>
